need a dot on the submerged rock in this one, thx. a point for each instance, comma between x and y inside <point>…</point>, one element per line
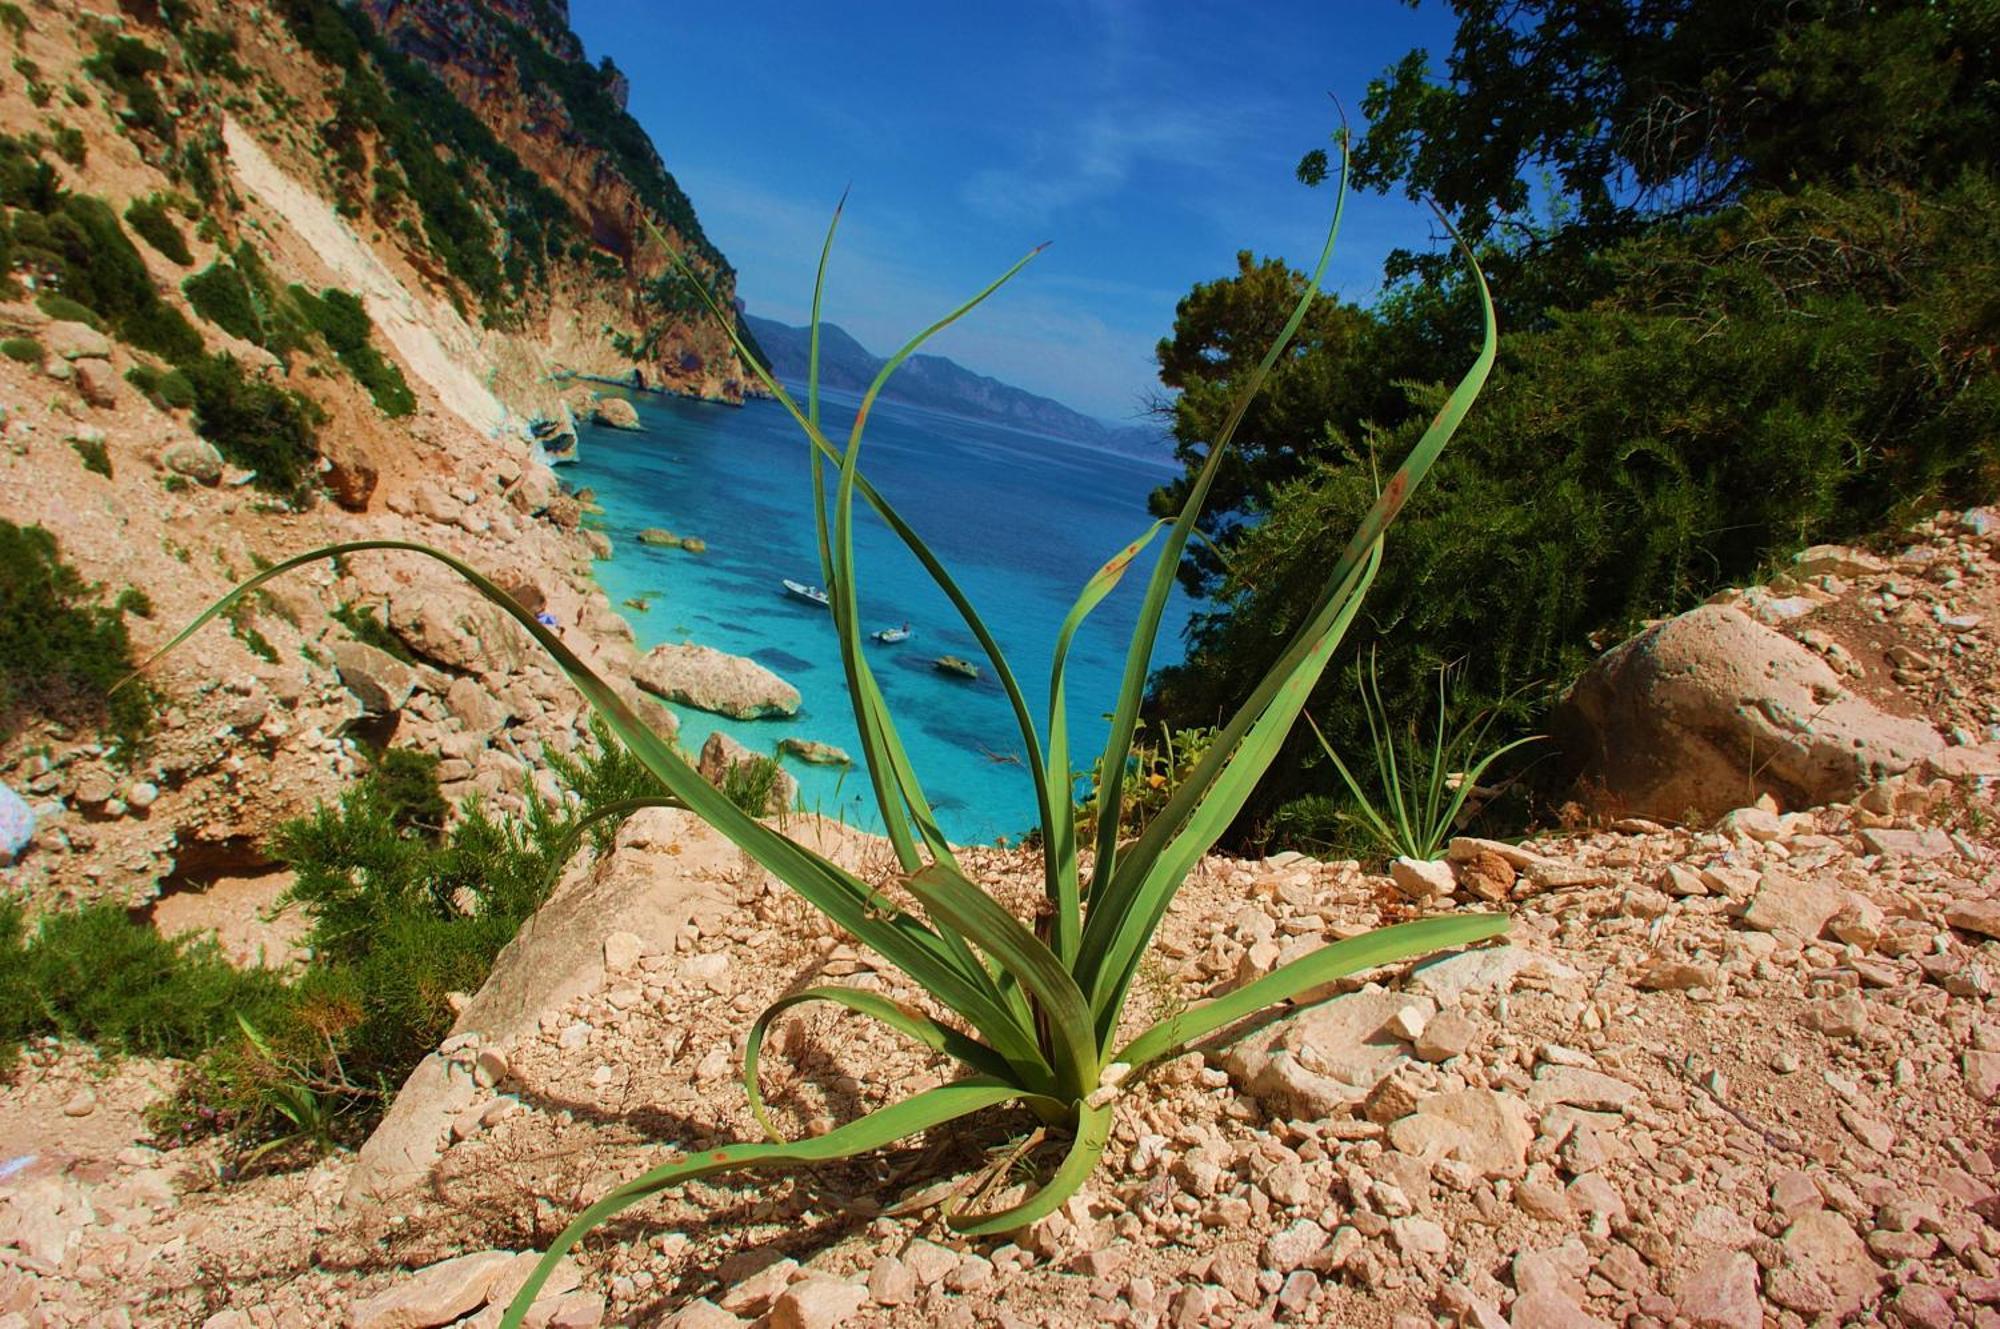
<point>711,680</point>
<point>814,752</point>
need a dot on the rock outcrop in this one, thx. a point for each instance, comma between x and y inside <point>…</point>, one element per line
<point>1709,710</point>
<point>615,413</point>
<point>664,874</point>
<point>712,680</point>
<point>721,755</point>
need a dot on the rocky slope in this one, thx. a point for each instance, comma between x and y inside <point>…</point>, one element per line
<point>259,119</point>
<point>1730,1076</point>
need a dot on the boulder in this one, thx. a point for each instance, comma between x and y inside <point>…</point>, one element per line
<point>96,381</point>
<point>75,341</point>
<point>650,709</point>
<point>378,680</point>
<point>195,458</point>
<point>433,1296</point>
<point>615,413</point>
<point>535,490</point>
<point>17,826</point>
<point>666,865</point>
<point>722,754</point>
<point>351,473</point>
<point>1483,1128</point>
<point>476,708</point>
<point>1707,711</point>
<point>439,625</point>
<point>1328,1058</point>
<point>658,538</point>
<point>710,680</point>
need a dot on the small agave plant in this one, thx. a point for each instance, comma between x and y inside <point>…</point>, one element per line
<point>1031,1009</point>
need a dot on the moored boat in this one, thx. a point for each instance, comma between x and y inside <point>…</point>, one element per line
<point>805,592</point>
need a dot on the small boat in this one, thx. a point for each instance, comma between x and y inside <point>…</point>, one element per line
<point>951,664</point>
<point>805,592</point>
<point>890,636</point>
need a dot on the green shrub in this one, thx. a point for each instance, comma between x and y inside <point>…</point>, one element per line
<point>64,309</point>
<point>102,269</point>
<point>371,631</point>
<point>167,389</point>
<point>148,217</point>
<point>22,350</point>
<point>126,65</point>
<point>212,52</point>
<point>163,330</point>
<point>751,783</point>
<point>14,19</point>
<point>69,145</point>
<point>1802,367</point>
<point>251,423</point>
<point>132,600</point>
<point>407,782</point>
<point>60,654</point>
<point>26,181</point>
<point>220,295</point>
<point>384,381</point>
<point>340,317</point>
<point>95,458</point>
<point>97,975</point>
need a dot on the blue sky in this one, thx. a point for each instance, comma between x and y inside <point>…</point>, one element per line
<point>1147,142</point>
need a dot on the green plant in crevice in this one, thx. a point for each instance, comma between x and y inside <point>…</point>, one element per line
<point>1155,769</point>
<point>96,458</point>
<point>750,784</point>
<point>1422,784</point>
<point>1032,1009</point>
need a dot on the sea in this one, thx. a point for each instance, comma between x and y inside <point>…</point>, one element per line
<point>1020,520</point>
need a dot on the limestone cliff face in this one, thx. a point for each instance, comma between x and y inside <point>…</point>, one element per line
<point>519,68</point>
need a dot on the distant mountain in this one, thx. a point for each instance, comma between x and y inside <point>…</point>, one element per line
<point>938,384</point>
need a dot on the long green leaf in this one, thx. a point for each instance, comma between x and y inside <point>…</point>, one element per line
<point>974,913</point>
<point>1338,959</point>
<point>809,425</point>
<point>905,1019</point>
<point>1059,831</point>
<point>1145,633</point>
<point>1199,795</point>
<point>1086,1150</point>
<point>930,1109</point>
<point>888,765</point>
<point>1120,927</point>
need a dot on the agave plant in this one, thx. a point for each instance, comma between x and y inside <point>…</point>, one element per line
<point>1031,1009</point>
<point>1424,785</point>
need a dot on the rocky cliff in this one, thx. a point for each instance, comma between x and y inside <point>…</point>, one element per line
<point>517,66</point>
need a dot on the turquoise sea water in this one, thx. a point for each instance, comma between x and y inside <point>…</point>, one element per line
<point>1020,520</point>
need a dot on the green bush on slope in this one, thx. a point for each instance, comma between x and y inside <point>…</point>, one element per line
<point>60,653</point>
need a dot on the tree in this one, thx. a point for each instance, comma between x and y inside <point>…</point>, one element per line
<point>1656,109</point>
<point>1310,405</point>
